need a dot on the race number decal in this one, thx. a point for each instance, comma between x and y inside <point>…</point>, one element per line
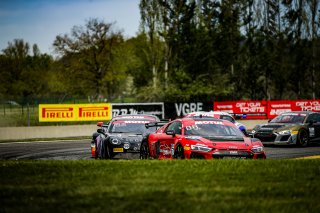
<point>311,132</point>
<point>195,127</point>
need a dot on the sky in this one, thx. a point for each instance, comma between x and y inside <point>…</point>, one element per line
<point>40,21</point>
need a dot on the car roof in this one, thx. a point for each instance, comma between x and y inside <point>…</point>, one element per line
<point>299,112</point>
<point>206,114</point>
<point>136,117</point>
<point>188,119</point>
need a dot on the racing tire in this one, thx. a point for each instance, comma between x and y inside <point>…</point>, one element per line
<point>144,151</point>
<point>157,144</point>
<point>302,138</point>
<point>106,152</point>
<point>103,150</point>
<point>179,152</point>
<point>109,152</point>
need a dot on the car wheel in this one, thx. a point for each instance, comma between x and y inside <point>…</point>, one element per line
<point>303,138</point>
<point>157,144</point>
<point>179,152</point>
<point>109,152</point>
<point>144,150</point>
<point>106,152</point>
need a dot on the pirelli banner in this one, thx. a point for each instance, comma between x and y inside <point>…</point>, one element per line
<point>74,112</point>
<point>265,109</point>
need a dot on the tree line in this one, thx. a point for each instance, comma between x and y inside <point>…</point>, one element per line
<point>185,50</point>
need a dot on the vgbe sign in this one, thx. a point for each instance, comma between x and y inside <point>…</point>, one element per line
<point>175,110</point>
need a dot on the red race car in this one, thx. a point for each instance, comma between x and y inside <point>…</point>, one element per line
<point>200,138</point>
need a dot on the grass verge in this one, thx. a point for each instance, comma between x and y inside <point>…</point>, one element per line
<point>160,186</point>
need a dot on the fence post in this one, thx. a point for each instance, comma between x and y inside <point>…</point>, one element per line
<point>28,111</point>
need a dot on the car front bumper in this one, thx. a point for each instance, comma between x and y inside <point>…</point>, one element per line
<point>225,154</point>
<point>287,139</point>
<point>276,139</point>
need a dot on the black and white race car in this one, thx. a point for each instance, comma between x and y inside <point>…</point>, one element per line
<point>290,128</point>
<point>121,136</point>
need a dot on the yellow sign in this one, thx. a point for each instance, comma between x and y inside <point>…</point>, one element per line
<point>74,112</point>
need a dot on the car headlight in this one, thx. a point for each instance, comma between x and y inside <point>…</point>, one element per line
<point>115,141</point>
<point>201,148</point>
<point>253,131</point>
<point>256,127</point>
<point>285,132</point>
<point>257,149</point>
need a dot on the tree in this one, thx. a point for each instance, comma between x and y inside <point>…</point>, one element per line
<point>89,58</point>
<point>23,75</point>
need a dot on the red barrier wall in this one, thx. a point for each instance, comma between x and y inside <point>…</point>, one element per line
<point>265,109</point>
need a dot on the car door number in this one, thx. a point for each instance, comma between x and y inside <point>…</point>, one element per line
<point>311,132</point>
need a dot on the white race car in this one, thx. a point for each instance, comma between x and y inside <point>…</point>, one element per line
<point>220,115</point>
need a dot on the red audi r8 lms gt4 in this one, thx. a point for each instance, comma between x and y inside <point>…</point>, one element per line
<point>200,138</point>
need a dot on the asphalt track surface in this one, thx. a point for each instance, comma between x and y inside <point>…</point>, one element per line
<point>80,150</point>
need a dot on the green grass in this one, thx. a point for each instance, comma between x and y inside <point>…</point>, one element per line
<point>160,186</point>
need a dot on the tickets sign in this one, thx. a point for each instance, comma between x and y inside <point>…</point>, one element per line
<point>277,107</point>
<point>265,109</point>
<point>244,109</point>
<point>74,112</point>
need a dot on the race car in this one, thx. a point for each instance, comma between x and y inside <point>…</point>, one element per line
<point>122,135</point>
<point>218,114</point>
<point>200,138</point>
<point>290,128</point>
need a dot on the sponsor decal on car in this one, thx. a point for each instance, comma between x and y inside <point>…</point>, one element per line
<point>186,148</point>
<point>165,149</point>
<point>117,149</point>
<point>209,122</point>
<point>136,122</point>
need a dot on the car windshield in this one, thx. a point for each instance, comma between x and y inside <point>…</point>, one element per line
<point>215,130</point>
<point>289,118</point>
<point>137,127</point>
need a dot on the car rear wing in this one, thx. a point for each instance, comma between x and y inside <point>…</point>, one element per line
<point>101,124</point>
<point>157,124</point>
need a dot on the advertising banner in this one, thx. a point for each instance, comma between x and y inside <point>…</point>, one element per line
<point>265,109</point>
<point>138,108</point>
<point>306,105</point>
<point>277,107</point>
<point>74,112</point>
<point>243,109</point>
<point>177,110</point>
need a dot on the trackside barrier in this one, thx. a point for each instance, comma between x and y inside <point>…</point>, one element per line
<point>43,132</point>
<point>265,109</point>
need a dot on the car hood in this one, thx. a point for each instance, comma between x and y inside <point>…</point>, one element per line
<point>132,137</point>
<point>245,143</point>
<point>276,126</point>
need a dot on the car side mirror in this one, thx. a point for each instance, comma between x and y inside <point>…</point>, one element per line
<point>170,132</point>
<point>311,122</point>
<point>100,131</point>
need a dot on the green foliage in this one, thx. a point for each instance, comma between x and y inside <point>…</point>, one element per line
<point>160,186</point>
<point>186,50</point>
<point>91,59</point>
<point>23,75</point>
